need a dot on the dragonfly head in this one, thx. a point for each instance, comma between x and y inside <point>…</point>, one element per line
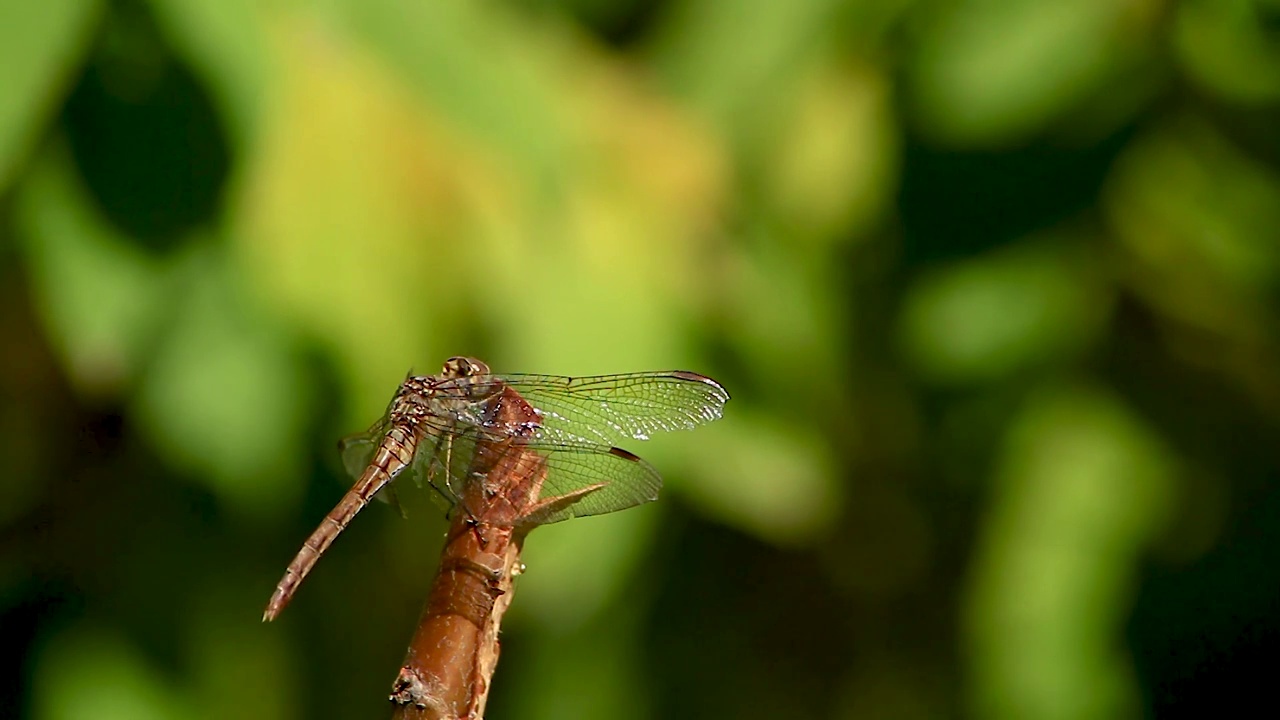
<point>460,367</point>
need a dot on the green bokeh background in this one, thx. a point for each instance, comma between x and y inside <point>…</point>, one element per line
<point>993,284</point>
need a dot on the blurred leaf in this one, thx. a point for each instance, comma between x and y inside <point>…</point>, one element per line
<point>985,318</point>
<point>219,394</point>
<point>1083,487</point>
<point>810,129</point>
<point>771,477</point>
<point>587,281</point>
<point>764,478</point>
<point>227,41</point>
<point>222,396</point>
<point>239,669</point>
<point>834,167</point>
<point>490,72</point>
<point>1201,218</point>
<point>577,569</point>
<point>734,59</point>
<point>347,221</point>
<point>101,298</point>
<point>581,240</point>
<point>86,671</point>
<point>593,672</point>
<point>783,305</point>
<point>1227,47</point>
<point>40,44</point>
<point>598,285</point>
<point>624,254</point>
<point>993,72</point>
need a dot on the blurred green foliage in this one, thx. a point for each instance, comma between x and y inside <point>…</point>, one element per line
<point>993,283</point>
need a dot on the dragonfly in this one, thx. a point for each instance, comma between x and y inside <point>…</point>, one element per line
<point>454,428</point>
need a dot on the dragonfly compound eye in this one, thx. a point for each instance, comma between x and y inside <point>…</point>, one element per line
<point>464,367</point>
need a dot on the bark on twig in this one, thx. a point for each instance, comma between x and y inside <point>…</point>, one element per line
<point>450,662</point>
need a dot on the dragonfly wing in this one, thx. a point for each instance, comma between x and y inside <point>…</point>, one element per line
<point>447,463</point>
<point>357,450</point>
<point>581,478</point>
<point>579,420</point>
<point>606,409</point>
<point>587,479</point>
<point>601,409</point>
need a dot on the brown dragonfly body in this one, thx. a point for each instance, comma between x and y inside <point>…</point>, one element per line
<point>393,456</point>
<point>394,453</point>
<point>509,453</point>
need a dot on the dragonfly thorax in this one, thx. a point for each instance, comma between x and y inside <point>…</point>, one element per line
<point>410,405</point>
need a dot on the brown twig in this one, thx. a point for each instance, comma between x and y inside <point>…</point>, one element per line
<point>450,662</point>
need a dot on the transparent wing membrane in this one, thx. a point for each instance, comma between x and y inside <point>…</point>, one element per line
<point>624,481</point>
<point>607,409</point>
<point>578,421</point>
<point>554,438</point>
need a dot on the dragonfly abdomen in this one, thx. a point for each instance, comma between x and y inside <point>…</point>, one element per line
<point>395,452</point>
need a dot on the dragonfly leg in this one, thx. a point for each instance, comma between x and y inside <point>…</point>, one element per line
<point>478,530</point>
<point>448,466</point>
<point>434,471</point>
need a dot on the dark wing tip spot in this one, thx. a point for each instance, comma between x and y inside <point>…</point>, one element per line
<point>695,377</point>
<point>698,377</point>
<point>625,455</point>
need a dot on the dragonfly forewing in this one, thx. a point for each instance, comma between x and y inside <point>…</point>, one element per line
<point>602,409</point>
<point>607,409</point>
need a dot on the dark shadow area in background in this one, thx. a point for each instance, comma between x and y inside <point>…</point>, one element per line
<point>732,639</point>
<point>1206,635</point>
<point>954,205</point>
<point>618,23</point>
<point>1204,629</point>
<point>144,133</point>
<point>44,610</point>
